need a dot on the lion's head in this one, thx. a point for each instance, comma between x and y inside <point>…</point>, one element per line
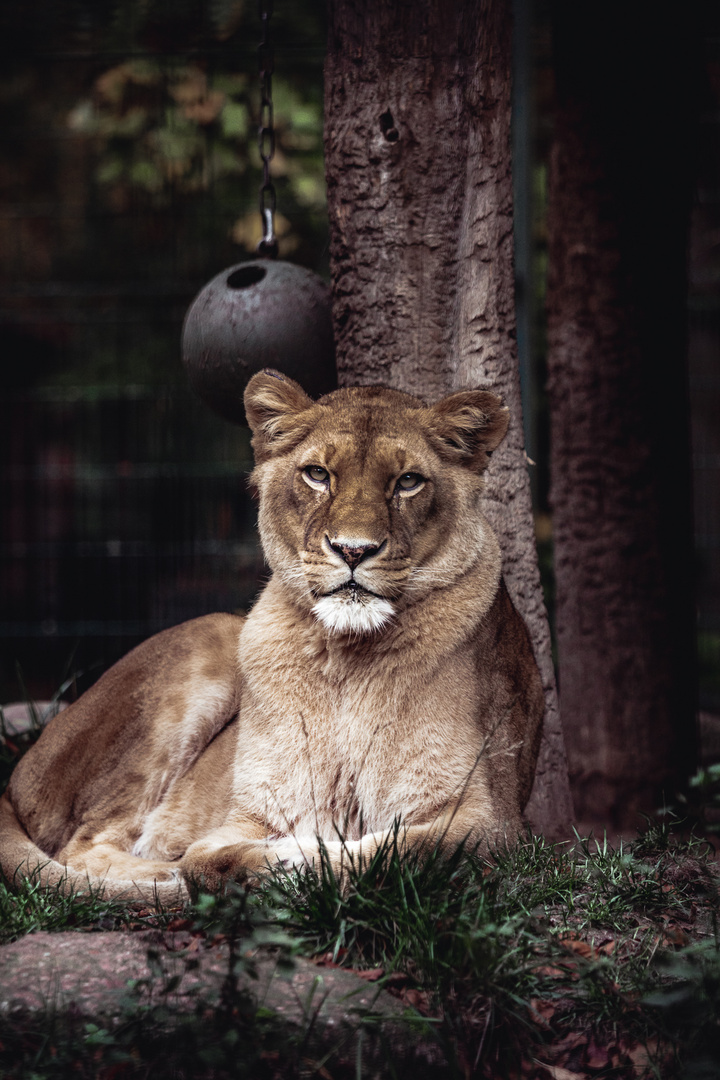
<point>369,499</point>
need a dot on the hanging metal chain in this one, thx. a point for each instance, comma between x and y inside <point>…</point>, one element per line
<point>268,246</point>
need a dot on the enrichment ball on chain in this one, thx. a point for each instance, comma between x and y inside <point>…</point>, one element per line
<point>255,315</point>
<point>263,313</point>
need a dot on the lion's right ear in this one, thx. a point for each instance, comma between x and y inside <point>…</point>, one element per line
<point>469,425</point>
<point>278,412</point>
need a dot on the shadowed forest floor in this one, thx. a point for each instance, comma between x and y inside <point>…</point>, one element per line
<point>549,961</point>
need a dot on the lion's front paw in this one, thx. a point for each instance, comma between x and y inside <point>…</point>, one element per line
<point>331,856</point>
<point>207,870</point>
<point>292,854</point>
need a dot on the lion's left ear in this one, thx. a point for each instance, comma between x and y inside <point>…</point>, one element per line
<point>278,411</point>
<point>469,425</point>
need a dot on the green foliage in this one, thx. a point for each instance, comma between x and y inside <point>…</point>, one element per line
<point>169,132</point>
<point>438,918</point>
<point>152,1037</point>
<point>26,906</point>
<point>155,123</point>
<point>592,884</point>
<point>701,801</point>
<point>688,1005</point>
<point>483,951</point>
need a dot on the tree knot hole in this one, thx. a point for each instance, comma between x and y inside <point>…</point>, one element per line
<point>387,126</point>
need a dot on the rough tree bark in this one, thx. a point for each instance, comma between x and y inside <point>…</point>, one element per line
<point>417,140</point>
<point>622,520</point>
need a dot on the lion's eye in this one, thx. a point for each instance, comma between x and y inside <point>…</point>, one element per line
<point>316,474</point>
<point>409,481</point>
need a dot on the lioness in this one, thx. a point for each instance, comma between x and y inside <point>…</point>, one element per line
<point>383,673</point>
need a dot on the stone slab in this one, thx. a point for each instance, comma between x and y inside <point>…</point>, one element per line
<point>90,974</point>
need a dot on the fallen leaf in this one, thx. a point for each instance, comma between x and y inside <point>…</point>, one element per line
<point>416,999</point>
<point>578,946</point>
<point>544,1010</point>
<point>372,975</point>
<point>328,959</point>
<point>641,1054</point>
<point>180,924</point>
<point>596,1057</point>
<point>616,1055</point>
<point>397,978</point>
<point>558,1073</point>
<point>675,936</point>
<point>571,1040</point>
<point>550,972</point>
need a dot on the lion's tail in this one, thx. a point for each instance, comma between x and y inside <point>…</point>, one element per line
<point>21,858</point>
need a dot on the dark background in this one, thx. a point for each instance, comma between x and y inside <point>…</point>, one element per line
<point>128,177</point>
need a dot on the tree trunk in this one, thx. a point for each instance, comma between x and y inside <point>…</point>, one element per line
<point>417,140</point>
<point>622,520</point>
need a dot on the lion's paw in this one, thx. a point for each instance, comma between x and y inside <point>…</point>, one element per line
<point>301,854</point>
<point>208,869</point>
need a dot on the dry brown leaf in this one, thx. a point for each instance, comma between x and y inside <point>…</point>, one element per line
<point>617,1055</point>
<point>397,978</point>
<point>558,1073</point>
<point>551,972</point>
<point>372,975</point>
<point>180,924</point>
<point>571,1040</point>
<point>641,1054</point>
<point>675,936</point>
<point>596,1057</point>
<point>416,999</point>
<point>327,959</point>
<point>543,1010</point>
<point>578,946</point>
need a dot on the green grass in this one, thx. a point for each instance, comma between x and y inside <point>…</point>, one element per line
<point>579,930</point>
<point>26,906</point>
<point>595,959</point>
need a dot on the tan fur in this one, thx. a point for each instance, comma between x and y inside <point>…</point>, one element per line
<point>398,685</point>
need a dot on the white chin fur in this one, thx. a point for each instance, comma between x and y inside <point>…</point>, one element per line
<point>342,614</point>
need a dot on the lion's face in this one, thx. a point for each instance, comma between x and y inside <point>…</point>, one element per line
<point>368,498</point>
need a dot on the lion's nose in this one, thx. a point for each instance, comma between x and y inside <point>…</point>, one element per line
<point>353,554</point>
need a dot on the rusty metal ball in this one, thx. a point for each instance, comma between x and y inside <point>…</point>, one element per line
<point>255,315</point>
